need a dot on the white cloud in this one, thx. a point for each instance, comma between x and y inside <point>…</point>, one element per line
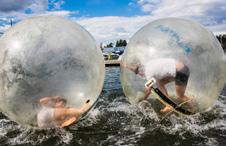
<point>218,28</point>
<point>207,12</point>
<point>148,5</point>
<point>39,6</point>
<point>210,13</point>
<point>113,27</point>
<point>7,6</point>
<point>15,9</point>
<point>14,5</point>
<point>61,13</point>
<point>56,4</point>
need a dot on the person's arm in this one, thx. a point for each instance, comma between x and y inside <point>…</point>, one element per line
<point>74,113</point>
<point>134,68</point>
<point>68,122</point>
<point>45,100</point>
<point>147,92</point>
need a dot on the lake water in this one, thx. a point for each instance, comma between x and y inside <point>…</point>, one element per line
<point>113,121</point>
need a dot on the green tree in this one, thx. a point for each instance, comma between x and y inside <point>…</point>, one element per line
<point>121,43</point>
<point>109,45</point>
<point>222,40</point>
<point>124,43</point>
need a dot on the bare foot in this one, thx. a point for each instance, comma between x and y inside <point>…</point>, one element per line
<point>165,109</point>
<point>187,101</point>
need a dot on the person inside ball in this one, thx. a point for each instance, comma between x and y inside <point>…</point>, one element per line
<point>163,71</point>
<point>54,112</point>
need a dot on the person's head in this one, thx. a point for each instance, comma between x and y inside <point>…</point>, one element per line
<point>60,102</point>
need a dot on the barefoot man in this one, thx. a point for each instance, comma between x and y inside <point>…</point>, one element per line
<point>164,71</point>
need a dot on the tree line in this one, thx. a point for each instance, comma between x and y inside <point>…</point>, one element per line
<point>123,43</point>
<point>119,43</point>
<point>222,40</point>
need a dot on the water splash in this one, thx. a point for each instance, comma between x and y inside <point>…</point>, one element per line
<point>113,121</point>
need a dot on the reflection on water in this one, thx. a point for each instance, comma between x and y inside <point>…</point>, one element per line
<point>113,121</point>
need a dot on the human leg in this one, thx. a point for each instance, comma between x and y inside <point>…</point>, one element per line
<point>181,80</point>
<point>180,91</point>
<point>67,116</point>
<point>162,83</point>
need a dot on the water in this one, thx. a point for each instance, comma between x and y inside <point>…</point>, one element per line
<point>113,121</point>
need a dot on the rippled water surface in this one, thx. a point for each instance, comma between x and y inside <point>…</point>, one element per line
<point>113,121</point>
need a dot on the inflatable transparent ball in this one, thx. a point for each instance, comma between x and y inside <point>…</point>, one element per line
<point>182,40</point>
<point>47,56</point>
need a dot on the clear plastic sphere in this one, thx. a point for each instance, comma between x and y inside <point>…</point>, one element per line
<point>47,56</point>
<point>185,41</point>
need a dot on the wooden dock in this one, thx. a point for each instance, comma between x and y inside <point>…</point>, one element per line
<point>112,62</point>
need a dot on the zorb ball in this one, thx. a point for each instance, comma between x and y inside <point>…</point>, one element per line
<point>185,41</point>
<point>47,56</point>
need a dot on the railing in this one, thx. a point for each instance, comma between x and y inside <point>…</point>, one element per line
<point>112,62</point>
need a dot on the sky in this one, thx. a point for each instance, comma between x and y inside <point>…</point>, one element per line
<point>109,20</point>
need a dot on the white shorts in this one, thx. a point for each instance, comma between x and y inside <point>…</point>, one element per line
<point>45,118</point>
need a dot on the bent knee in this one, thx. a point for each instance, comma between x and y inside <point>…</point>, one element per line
<point>165,80</point>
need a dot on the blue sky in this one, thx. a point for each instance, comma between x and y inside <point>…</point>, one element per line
<point>100,8</point>
<point>109,20</point>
